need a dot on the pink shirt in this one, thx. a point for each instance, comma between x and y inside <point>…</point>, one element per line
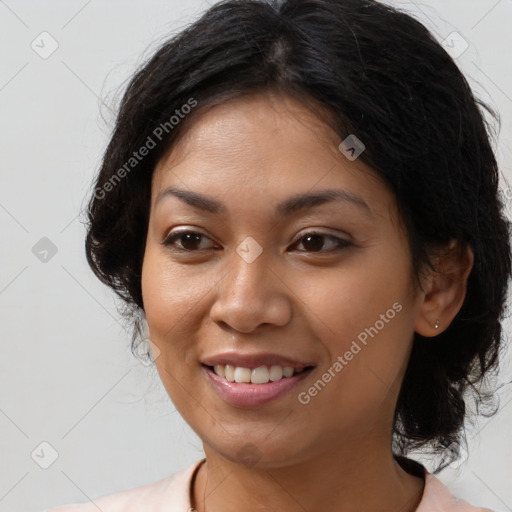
<point>172,494</point>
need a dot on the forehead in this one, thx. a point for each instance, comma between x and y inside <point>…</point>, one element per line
<point>241,126</point>
<point>262,149</point>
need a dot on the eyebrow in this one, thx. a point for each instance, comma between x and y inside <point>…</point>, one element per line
<point>293,204</point>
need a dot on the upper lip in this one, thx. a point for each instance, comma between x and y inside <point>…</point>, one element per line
<point>254,360</point>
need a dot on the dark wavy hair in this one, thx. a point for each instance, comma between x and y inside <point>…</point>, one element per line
<point>366,69</point>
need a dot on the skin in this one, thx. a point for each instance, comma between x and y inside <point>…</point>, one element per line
<point>297,298</point>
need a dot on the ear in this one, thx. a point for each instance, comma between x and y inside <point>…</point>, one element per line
<point>444,289</point>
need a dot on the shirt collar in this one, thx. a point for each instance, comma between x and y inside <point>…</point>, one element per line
<point>436,496</point>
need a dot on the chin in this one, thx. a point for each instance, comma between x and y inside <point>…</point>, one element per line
<point>260,452</point>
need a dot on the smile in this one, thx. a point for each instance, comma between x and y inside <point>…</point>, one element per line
<point>259,375</point>
<point>247,388</point>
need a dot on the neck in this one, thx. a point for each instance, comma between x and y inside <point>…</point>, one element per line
<point>343,479</point>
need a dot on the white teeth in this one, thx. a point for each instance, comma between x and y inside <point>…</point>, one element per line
<point>219,370</point>
<point>242,374</point>
<point>229,372</point>
<point>287,371</point>
<point>259,375</point>
<point>276,373</point>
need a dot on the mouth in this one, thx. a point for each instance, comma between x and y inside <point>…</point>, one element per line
<point>259,375</point>
<point>249,387</point>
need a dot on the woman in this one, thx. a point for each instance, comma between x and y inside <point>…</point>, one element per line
<point>300,201</point>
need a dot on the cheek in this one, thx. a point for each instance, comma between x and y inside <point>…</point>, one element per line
<point>172,304</point>
<point>172,301</point>
<point>364,318</point>
<point>362,378</point>
<point>170,287</point>
<point>343,302</point>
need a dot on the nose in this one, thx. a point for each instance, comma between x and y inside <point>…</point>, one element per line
<point>251,294</point>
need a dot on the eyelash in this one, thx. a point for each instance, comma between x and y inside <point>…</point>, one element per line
<point>172,237</point>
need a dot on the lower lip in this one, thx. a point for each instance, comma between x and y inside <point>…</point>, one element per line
<point>242,394</point>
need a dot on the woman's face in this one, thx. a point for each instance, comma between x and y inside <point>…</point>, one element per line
<point>267,279</point>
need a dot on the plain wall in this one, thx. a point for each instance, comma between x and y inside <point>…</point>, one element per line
<point>67,375</point>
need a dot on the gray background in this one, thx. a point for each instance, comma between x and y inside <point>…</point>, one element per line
<point>67,375</point>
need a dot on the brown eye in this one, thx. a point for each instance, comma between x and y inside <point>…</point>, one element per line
<point>314,242</point>
<point>187,241</point>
